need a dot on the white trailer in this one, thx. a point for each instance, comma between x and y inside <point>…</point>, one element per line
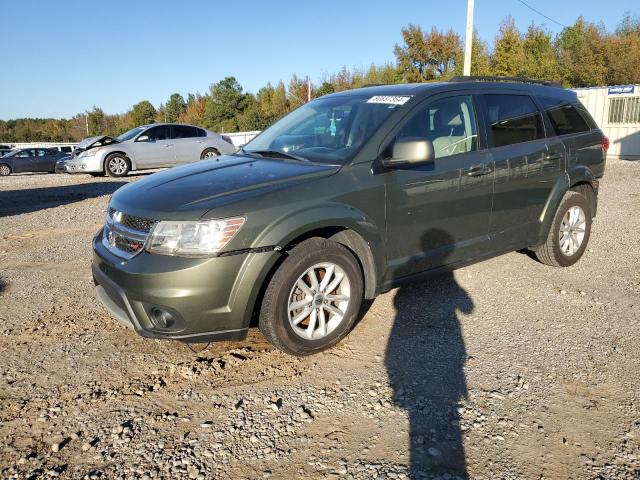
<point>616,110</point>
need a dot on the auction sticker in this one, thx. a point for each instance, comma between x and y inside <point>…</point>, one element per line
<point>390,99</point>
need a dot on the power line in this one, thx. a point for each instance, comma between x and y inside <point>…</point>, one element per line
<point>541,14</point>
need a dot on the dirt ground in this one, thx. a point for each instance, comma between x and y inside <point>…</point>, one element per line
<point>504,369</point>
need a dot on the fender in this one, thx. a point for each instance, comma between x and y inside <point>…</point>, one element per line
<point>295,224</point>
<point>577,174</point>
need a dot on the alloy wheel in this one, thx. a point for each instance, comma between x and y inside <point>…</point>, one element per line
<point>572,231</point>
<point>318,301</point>
<point>117,165</point>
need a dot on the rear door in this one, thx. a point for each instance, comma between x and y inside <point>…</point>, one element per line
<point>527,166</point>
<point>577,131</point>
<point>438,213</point>
<point>187,143</point>
<point>43,160</point>
<point>156,151</point>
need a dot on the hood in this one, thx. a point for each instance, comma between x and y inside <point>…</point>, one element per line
<point>97,141</point>
<point>201,186</point>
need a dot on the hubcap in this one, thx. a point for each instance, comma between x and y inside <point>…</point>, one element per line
<point>318,301</point>
<point>210,155</point>
<point>572,231</point>
<point>4,170</point>
<point>118,165</point>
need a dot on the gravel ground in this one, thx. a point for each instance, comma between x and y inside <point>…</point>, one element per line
<point>505,369</point>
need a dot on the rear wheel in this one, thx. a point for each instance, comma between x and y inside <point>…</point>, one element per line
<point>313,299</point>
<point>569,233</point>
<point>209,153</point>
<point>117,165</point>
<point>4,170</point>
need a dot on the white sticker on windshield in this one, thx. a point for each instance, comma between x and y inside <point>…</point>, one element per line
<point>390,99</point>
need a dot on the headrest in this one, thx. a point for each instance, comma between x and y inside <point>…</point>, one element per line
<point>449,114</point>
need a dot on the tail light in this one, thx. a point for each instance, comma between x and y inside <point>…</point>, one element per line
<point>605,143</point>
<point>228,139</point>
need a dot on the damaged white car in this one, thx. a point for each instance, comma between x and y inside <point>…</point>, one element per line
<point>148,146</point>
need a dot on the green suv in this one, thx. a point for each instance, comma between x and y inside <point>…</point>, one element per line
<point>345,198</point>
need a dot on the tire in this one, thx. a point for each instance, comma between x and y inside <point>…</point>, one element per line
<point>562,250</point>
<point>278,324</point>
<point>117,165</point>
<point>209,153</point>
<point>5,170</point>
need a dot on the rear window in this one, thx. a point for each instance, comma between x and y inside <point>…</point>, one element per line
<point>513,119</point>
<point>565,117</point>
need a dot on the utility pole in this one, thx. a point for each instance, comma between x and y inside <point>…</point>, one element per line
<point>86,123</point>
<point>468,40</point>
<point>308,89</point>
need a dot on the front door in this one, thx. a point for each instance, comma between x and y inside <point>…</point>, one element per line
<point>438,213</point>
<point>156,151</point>
<point>23,160</point>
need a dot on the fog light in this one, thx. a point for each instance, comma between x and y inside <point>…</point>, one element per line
<point>161,318</point>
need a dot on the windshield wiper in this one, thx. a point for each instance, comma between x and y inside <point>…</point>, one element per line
<point>275,153</point>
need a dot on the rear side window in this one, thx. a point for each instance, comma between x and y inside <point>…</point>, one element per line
<point>513,119</point>
<point>565,117</point>
<point>184,131</point>
<point>201,133</point>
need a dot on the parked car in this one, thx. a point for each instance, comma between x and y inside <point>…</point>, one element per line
<point>348,196</point>
<point>30,160</point>
<point>147,146</point>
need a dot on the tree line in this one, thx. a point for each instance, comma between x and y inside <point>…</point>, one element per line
<point>581,55</point>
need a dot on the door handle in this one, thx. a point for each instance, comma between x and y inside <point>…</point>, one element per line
<point>169,145</point>
<point>479,170</point>
<point>555,156</point>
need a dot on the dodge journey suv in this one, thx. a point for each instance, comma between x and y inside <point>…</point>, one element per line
<point>345,198</point>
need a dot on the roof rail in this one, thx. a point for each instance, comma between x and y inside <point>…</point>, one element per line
<point>460,79</point>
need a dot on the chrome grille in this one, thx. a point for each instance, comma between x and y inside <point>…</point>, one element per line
<point>125,235</point>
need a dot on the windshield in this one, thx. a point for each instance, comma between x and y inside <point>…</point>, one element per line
<point>328,130</point>
<point>130,134</point>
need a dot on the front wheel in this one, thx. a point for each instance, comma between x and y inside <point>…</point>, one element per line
<point>5,170</point>
<point>313,299</point>
<point>117,165</point>
<point>569,233</point>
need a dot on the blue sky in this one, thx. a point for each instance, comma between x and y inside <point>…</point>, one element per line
<point>62,57</point>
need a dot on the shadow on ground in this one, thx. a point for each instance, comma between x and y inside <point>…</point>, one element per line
<point>425,359</point>
<point>16,202</point>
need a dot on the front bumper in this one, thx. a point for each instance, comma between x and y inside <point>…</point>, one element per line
<point>84,165</point>
<point>209,298</point>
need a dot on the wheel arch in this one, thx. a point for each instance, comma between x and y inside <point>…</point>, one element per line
<point>217,150</point>
<point>579,179</point>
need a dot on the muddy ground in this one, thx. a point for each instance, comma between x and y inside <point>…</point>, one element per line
<point>505,369</point>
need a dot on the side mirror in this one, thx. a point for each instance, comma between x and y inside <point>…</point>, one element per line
<point>143,138</point>
<point>410,151</point>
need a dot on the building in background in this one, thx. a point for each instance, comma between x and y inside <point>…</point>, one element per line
<point>616,109</point>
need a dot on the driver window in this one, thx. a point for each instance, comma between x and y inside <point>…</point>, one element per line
<point>158,133</point>
<point>448,123</point>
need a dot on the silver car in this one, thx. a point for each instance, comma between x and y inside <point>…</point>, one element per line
<point>148,146</point>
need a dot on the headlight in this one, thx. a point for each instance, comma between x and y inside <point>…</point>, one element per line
<point>193,239</point>
<point>88,153</point>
